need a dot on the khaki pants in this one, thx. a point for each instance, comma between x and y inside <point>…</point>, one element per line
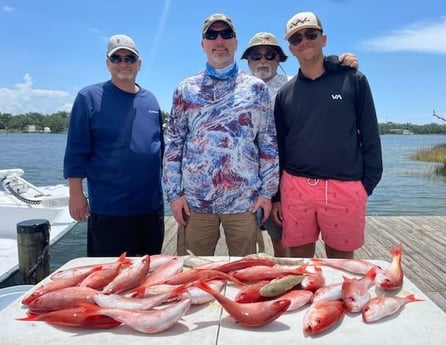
<point>202,233</point>
<point>181,241</point>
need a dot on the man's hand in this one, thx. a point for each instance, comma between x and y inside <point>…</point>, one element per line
<point>180,208</point>
<point>265,204</point>
<point>276,213</point>
<point>349,59</point>
<point>78,206</point>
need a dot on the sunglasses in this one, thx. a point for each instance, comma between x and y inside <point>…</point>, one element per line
<point>225,34</point>
<point>311,35</point>
<point>256,56</point>
<point>129,59</point>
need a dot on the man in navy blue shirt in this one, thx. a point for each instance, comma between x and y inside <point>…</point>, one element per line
<point>115,142</point>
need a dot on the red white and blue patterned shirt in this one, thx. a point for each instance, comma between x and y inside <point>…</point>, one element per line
<point>221,147</point>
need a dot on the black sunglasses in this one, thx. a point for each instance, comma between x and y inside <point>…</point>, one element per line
<point>311,35</point>
<point>115,59</point>
<point>225,34</point>
<point>256,56</point>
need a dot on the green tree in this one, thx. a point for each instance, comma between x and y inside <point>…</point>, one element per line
<point>18,122</point>
<point>57,122</point>
<point>4,120</point>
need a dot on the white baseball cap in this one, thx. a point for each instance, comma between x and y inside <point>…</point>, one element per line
<point>302,20</point>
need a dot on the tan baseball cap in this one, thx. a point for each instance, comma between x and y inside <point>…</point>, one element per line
<point>302,20</point>
<point>217,17</point>
<point>265,39</point>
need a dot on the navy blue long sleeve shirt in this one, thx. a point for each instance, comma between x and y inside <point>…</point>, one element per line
<point>115,141</point>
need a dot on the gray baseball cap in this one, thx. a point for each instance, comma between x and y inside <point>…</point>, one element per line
<point>217,17</point>
<point>117,42</point>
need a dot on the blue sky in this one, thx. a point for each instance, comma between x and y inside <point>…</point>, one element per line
<point>53,48</point>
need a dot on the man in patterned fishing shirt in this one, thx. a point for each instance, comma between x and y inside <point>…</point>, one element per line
<point>221,157</point>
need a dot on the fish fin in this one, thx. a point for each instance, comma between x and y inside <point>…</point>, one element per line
<point>139,292</point>
<point>90,308</point>
<point>181,289</point>
<point>371,274</point>
<point>30,316</point>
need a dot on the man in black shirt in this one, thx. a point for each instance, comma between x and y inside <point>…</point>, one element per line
<point>329,148</point>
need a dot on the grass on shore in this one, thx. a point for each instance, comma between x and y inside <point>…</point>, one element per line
<point>436,154</point>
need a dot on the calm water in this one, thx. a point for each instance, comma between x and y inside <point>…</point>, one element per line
<point>407,187</point>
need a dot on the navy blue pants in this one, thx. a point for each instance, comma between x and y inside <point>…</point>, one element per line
<point>137,234</point>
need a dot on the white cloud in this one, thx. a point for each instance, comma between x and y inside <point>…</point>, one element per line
<point>7,8</point>
<point>23,98</point>
<point>426,37</point>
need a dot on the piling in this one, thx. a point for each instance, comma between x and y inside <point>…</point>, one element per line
<point>33,241</point>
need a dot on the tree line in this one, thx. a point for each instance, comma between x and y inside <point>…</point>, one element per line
<point>58,123</point>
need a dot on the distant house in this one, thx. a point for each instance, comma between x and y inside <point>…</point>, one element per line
<point>400,131</point>
<point>31,129</point>
<point>46,130</point>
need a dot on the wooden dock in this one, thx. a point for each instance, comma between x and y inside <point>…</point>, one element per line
<point>424,248</point>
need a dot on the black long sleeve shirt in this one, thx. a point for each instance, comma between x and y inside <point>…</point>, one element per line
<point>327,127</point>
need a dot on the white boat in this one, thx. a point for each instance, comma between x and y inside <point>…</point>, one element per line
<point>21,201</point>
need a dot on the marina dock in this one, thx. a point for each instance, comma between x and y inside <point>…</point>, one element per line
<point>424,248</point>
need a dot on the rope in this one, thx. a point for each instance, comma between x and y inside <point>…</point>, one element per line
<point>21,198</point>
<point>32,273</point>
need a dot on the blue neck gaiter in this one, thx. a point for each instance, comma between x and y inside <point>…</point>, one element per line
<point>222,73</point>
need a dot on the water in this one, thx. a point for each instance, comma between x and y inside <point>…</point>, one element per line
<point>39,155</point>
<point>408,188</point>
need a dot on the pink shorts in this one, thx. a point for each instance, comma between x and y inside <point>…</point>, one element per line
<point>335,209</point>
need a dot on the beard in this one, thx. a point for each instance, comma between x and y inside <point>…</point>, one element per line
<point>265,72</point>
<point>221,59</point>
<point>125,75</point>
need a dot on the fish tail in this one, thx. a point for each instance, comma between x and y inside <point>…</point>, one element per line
<point>122,257</point>
<point>412,298</point>
<point>397,251</point>
<point>124,260</point>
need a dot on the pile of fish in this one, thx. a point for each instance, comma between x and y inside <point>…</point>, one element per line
<point>152,293</point>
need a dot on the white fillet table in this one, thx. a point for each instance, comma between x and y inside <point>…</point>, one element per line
<point>417,323</point>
